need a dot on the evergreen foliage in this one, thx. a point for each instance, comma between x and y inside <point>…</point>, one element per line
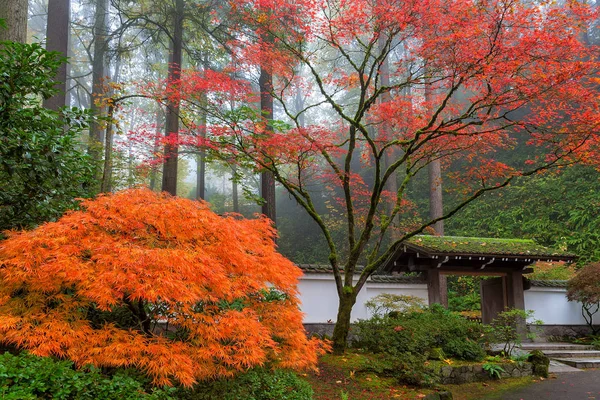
<point>42,169</point>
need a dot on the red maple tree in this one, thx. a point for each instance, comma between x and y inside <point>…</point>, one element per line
<point>155,282</point>
<point>391,86</point>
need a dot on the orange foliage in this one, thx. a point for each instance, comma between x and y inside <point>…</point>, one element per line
<point>204,295</point>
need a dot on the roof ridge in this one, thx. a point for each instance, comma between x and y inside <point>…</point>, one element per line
<point>445,237</point>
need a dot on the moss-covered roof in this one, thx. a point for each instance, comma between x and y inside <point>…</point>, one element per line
<point>484,246</point>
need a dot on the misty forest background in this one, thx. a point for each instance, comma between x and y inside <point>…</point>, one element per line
<point>559,208</point>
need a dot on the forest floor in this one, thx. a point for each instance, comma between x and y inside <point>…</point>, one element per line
<point>338,379</point>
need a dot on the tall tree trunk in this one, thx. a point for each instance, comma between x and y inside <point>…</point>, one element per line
<point>201,157</point>
<point>267,181</point>
<point>299,105</point>
<point>436,204</point>
<point>156,148</point>
<point>14,14</point>
<point>169,180</point>
<point>234,189</point>
<point>391,184</point>
<point>107,169</point>
<point>57,39</point>
<point>98,75</point>
<point>106,185</point>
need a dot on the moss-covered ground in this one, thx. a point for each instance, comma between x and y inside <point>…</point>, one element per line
<point>340,377</point>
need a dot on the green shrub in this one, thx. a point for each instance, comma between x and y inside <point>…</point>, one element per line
<point>407,368</point>
<point>42,167</point>
<point>25,377</point>
<point>504,328</point>
<point>464,349</point>
<point>256,384</point>
<point>420,333</point>
<point>407,340</point>
<point>386,303</point>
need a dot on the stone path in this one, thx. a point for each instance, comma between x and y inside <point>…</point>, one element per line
<point>566,357</point>
<point>584,385</point>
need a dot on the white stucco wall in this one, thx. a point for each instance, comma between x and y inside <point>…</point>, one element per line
<point>319,300</point>
<point>550,305</point>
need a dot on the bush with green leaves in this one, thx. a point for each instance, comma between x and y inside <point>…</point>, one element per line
<point>42,169</point>
<point>26,376</point>
<point>256,384</point>
<point>493,370</point>
<point>386,303</point>
<point>421,333</point>
<point>504,329</point>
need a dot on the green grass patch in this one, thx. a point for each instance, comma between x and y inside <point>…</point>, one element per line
<point>342,374</point>
<point>350,374</point>
<point>493,389</point>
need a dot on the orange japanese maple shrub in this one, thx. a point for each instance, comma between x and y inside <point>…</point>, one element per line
<point>155,282</point>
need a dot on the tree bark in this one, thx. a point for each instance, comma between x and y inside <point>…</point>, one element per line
<point>391,185</point>
<point>436,202</point>
<point>156,148</point>
<point>98,76</point>
<point>106,185</point>
<point>267,181</point>
<point>14,14</point>
<point>169,181</point>
<point>234,189</point>
<point>57,39</point>
<point>342,324</point>
<point>436,206</point>
<point>201,157</point>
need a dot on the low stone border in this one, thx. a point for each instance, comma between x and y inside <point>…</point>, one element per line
<point>459,374</point>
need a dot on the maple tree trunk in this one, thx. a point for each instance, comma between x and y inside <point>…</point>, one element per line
<point>267,181</point>
<point>57,39</point>
<point>98,74</point>
<point>342,324</point>
<point>169,179</point>
<point>14,14</point>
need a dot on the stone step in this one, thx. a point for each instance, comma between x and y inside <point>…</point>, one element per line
<point>556,367</point>
<point>555,346</point>
<point>580,362</point>
<point>572,353</point>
